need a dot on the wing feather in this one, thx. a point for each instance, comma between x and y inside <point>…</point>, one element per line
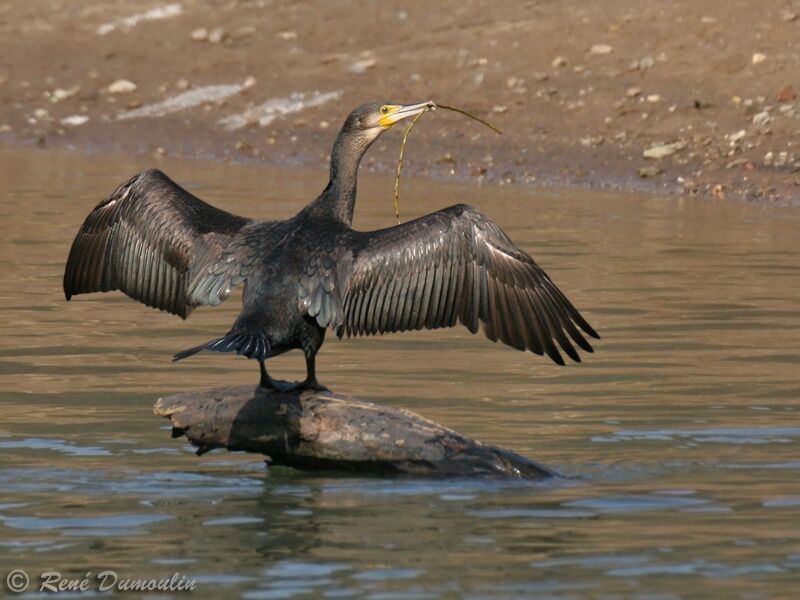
<point>158,244</point>
<point>455,265</point>
<point>398,307</point>
<point>388,294</point>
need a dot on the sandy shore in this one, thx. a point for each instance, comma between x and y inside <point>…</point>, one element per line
<point>679,97</point>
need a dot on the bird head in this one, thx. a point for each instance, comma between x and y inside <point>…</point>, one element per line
<point>372,119</point>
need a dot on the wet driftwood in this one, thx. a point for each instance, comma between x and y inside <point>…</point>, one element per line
<point>326,431</point>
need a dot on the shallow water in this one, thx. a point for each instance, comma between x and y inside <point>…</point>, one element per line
<point>681,431</point>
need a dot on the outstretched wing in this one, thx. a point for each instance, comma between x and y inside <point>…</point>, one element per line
<point>158,244</point>
<point>452,265</point>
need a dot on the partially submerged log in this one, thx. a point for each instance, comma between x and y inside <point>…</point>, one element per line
<point>326,431</point>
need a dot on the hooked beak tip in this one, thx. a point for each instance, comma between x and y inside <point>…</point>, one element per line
<point>404,111</point>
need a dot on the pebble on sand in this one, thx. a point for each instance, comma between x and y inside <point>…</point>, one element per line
<point>217,35</point>
<point>761,120</point>
<point>787,94</point>
<point>646,172</point>
<point>200,34</point>
<point>758,58</point>
<point>75,120</point>
<point>362,66</point>
<point>735,138</point>
<point>121,86</point>
<point>601,49</point>
<point>664,150</point>
<point>60,94</point>
<point>643,64</point>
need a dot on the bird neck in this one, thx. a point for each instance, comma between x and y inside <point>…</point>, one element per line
<point>339,198</point>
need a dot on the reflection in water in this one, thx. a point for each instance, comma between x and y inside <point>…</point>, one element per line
<point>681,431</point>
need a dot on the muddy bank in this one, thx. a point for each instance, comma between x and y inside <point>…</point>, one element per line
<point>677,98</point>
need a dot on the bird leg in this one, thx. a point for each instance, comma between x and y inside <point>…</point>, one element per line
<point>278,385</point>
<point>266,380</point>
<point>311,382</point>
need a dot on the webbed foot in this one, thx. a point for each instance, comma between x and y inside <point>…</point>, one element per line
<point>309,384</point>
<point>288,387</point>
<point>313,386</point>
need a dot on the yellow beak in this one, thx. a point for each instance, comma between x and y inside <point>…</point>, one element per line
<point>397,112</point>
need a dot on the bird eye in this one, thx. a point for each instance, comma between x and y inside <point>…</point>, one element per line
<point>384,109</point>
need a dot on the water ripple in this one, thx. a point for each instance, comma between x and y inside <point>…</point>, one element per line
<point>718,435</point>
<point>117,523</point>
<point>636,503</point>
<point>54,445</point>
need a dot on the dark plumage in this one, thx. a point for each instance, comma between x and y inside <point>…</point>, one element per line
<point>161,245</point>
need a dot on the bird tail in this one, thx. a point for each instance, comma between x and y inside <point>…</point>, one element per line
<point>246,343</point>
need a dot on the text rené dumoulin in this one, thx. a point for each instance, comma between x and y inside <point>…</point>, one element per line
<point>104,581</point>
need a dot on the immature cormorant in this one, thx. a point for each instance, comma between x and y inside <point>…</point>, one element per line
<point>161,245</point>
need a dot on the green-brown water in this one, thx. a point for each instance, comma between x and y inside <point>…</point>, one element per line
<point>682,429</point>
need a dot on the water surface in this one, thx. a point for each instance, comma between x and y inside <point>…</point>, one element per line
<point>682,431</point>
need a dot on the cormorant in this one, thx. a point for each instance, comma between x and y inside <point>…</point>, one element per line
<point>161,245</point>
